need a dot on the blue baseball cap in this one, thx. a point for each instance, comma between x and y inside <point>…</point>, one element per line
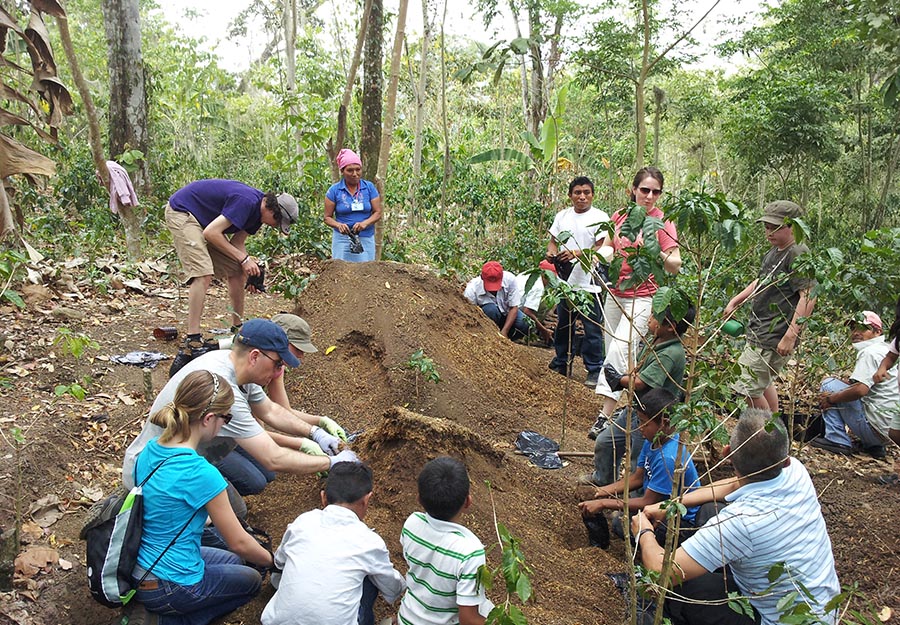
<point>267,335</point>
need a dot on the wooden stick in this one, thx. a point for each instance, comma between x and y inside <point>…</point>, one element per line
<point>566,454</point>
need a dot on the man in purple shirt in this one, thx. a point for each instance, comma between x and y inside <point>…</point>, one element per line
<point>210,221</point>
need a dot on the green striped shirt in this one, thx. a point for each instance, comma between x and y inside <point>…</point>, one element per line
<point>443,560</point>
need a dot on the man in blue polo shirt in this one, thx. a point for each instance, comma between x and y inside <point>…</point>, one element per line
<point>210,221</point>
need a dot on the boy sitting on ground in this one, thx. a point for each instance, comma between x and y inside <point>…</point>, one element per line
<point>443,556</point>
<point>333,566</point>
<point>657,464</point>
<point>660,364</point>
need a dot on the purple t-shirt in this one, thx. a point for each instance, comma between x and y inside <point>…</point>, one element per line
<point>207,199</point>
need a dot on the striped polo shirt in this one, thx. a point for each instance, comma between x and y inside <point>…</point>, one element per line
<point>443,561</point>
<point>767,523</point>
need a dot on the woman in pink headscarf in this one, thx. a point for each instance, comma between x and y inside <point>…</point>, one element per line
<point>352,207</point>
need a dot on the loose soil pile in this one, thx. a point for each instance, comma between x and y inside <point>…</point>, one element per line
<point>367,321</point>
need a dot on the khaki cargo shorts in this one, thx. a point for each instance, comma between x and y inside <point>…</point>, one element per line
<point>759,370</point>
<point>197,257</point>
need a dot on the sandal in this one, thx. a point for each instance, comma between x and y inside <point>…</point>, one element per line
<point>890,479</point>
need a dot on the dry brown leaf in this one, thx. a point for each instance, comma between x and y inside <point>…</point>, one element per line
<point>65,565</point>
<point>125,399</point>
<point>47,510</point>
<point>31,561</point>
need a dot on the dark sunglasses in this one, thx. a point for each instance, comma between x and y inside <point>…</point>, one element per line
<point>225,417</point>
<point>649,191</point>
<point>279,364</point>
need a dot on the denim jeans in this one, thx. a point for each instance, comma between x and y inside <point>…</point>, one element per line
<point>591,347</point>
<point>848,414</point>
<point>226,585</point>
<point>367,603</point>
<point>520,325</point>
<point>609,448</point>
<point>244,472</point>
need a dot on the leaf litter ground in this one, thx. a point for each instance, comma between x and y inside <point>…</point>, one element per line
<point>375,316</point>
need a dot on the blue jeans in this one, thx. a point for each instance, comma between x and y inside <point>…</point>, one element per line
<point>226,585</point>
<point>340,248</point>
<point>520,325</point>
<point>609,448</point>
<point>591,346</point>
<point>244,472</point>
<point>367,603</point>
<point>848,414</point>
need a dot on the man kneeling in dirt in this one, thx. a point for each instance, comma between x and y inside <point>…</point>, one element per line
<point>259,354</point>
<point>496,293</point>
<point>771,527</point>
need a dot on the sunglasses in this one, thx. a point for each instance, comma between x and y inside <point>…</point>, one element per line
<point>279,364</point>
<point>649,191</point>
<point>225,417</point>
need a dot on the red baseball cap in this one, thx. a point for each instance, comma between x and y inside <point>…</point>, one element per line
<point>547,265</point>
<point>492,275</point>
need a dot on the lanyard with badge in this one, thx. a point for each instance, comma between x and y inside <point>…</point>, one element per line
<point>357,204</point>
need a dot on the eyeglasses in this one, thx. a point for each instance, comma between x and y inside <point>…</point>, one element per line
<point>649,191</point>
<point>225,417</point>
<point>279,364</point>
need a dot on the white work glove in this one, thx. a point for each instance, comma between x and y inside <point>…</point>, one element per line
<point>329,444</point>
<point>309,447</point>
<point>331,426</point>
<point>344,456</point>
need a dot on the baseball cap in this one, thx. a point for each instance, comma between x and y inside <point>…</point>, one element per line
<point>492,275</point>
<point>547,266</point>
<point>267,335</point>
<point>289,211</point>
<point>297,330</point>
<point>776,212</point>
<point>869,318</point>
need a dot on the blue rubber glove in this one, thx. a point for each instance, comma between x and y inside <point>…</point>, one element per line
<point>344,456</point>
<point>329,444</point>
<point>331,426</point>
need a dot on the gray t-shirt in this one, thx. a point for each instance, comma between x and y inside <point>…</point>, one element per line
<point>776,300</point>
<point>242,425</point>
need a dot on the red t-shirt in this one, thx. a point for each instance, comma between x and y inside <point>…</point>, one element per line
<point>667,237</point>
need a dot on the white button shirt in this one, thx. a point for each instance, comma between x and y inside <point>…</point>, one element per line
<point>325,556</point>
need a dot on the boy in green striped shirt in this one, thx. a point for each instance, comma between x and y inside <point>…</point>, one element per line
<point>443,556</point>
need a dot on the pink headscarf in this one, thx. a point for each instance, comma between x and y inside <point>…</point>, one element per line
<point>347,157</point>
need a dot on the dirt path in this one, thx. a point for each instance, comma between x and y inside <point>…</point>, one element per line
<point>375,316</point>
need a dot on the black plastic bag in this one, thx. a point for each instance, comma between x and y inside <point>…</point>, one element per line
<point>597,529</point>
<point>541,451</point>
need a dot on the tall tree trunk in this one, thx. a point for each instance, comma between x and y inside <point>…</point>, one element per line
<point>659,96</point>
<point>387,135</point>
<point>537,101</point>
<point>131,216</point>
<point>370,125</point>
<point>128,95</point>
<point>290,20</point>
<point>338,145</point>
<point>420,111</point>
<point>444,125</point>
<point>523,68</point>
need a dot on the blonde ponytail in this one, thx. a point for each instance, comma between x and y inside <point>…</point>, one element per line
<point>198,394</point>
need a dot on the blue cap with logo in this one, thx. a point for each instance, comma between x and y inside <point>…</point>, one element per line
<point>267,335</point>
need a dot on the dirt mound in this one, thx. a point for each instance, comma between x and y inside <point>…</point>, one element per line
<point>376,315</point>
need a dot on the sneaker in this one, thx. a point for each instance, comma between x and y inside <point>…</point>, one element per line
<point>586,479</point>
<point>557,369</point>
<point>876,451</point>
<point>820,442</point>
<point>888,479</point>
<point>592,378</point>
<point>598,426</point>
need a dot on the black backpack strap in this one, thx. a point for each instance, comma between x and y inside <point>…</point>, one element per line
<point>144,481</point>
